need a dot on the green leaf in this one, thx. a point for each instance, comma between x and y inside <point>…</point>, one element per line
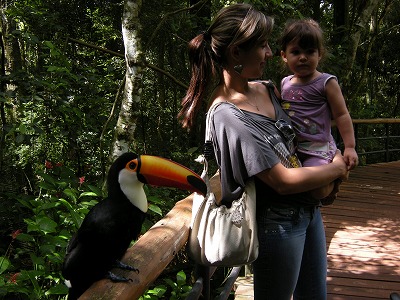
<point>76,218</point>
<point>46,206</point>
<point>22,129</point>
<point>156,200</point>
<point>59,289</point>
<point>181,278</point>
<point>24,237</point>
<point>4,264</point>
<point>48,178</point>
<point>70,193</point>
<point>171,283</point>
<point>193,149</point>
<point>155,209</point>
<point>88,194</point>
<point>96,190</point>
<point>47,225</point>
<point>32,225</point>
<point>37,260</point>
<point>47,249</point>
<point>158,291</point>
<point>46,186</point>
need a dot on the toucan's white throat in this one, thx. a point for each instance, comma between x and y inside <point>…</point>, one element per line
<point>133,189</point>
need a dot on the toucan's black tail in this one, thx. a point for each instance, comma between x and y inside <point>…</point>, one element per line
<point>72,295</point>
<point>75,292</point>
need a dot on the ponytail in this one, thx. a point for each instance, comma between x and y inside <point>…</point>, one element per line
<point>202,67</point>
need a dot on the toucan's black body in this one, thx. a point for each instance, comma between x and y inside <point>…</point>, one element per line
<point>105,233</point>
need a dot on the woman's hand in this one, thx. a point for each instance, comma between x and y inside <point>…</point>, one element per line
<point>340,163</point>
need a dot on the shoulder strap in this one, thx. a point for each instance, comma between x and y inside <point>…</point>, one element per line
<point>208,148</point>
<point>272,90</point>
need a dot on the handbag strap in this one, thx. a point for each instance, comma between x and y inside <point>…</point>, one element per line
<point>208,148</point>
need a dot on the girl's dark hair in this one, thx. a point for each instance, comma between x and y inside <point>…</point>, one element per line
<point>306,32</point>
<point>235,25</point>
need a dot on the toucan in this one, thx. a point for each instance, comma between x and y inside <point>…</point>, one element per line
<point>110,226</point>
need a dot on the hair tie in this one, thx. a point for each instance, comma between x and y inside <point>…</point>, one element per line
<point>206,35</point>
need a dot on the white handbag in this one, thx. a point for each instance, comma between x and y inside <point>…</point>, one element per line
<point>222,236</point>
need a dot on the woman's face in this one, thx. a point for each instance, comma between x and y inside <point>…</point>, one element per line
<point>254,60</point>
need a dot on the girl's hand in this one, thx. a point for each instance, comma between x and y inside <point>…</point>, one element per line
<point>351,158</point>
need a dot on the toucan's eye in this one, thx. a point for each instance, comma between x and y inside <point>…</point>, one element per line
<point>132,165</point>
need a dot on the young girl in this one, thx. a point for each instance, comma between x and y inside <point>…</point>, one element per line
<point>292,253</point>
<point>312,99</point>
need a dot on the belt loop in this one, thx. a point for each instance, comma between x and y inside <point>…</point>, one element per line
<point>312,212</point>
<point>297,215</point>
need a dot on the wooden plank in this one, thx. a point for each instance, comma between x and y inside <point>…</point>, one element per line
<point>363,235</point>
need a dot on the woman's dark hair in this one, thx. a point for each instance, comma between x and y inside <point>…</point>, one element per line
<point>235,25</point>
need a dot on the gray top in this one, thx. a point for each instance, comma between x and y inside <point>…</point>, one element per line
<point>242,152</point>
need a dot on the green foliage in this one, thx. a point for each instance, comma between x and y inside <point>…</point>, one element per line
<point>177,290</point>
<point>32,266</point>
<point>32,263</point>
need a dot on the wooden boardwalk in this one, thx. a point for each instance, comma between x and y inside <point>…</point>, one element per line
<point>363,237</point>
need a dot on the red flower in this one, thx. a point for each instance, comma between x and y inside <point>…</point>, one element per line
<point>16,233</point>
<point>81,179</point>
<point>59,164</point>
<point>13,278</point>
<point>48,164</point>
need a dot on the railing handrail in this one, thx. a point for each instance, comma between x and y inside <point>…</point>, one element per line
<point>386,137</point>
<point>376,121</point>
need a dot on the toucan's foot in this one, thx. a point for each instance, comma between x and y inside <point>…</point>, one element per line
<point>394,296</point>
<point>121,265</point>
<point>117,278</point>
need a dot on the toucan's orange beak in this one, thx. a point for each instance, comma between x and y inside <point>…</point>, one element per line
<point>159,171</point>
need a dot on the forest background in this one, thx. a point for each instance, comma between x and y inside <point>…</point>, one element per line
<point>82,81</point>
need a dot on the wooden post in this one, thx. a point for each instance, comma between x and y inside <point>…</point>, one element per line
<point>150,254</point>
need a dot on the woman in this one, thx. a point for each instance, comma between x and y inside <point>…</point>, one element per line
<point>292,256</point>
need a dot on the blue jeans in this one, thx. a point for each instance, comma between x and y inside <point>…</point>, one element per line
<point>292,258</point>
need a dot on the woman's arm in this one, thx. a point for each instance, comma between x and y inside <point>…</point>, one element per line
<point>297,180</point>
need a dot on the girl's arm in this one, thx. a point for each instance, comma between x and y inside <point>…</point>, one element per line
<point>297,180</point>
<point>343,121</point>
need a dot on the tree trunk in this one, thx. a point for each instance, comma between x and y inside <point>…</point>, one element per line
<point>126,124</point>
<point>359,27</point>
<point>377,18</point>
<point>11,62</point>
<point>340,20</point>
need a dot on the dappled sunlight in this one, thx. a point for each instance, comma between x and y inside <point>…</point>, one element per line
<point>368,248</point>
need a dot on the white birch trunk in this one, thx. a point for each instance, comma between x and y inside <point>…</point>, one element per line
<point>126,124</point>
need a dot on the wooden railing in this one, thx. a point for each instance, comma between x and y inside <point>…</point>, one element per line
<point>385,135</point>
<point>157,247</point>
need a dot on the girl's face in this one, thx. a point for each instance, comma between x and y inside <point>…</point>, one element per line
<point>255,60</point>
<point>302,62</point>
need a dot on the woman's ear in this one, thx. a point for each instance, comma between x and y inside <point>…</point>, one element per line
<point>236,54</point>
